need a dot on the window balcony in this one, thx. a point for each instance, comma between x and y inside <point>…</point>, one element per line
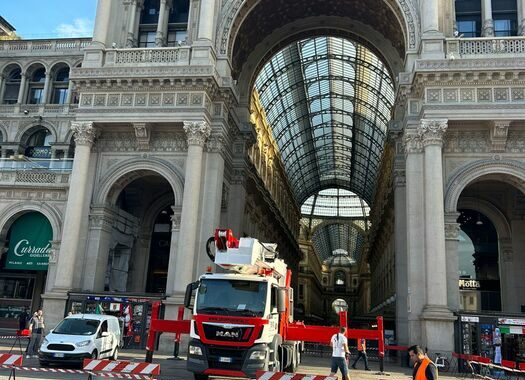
<point>148,56</point>
<point>485,47</point>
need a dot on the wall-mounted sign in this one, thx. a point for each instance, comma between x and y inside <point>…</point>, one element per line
<point>29,243</point>
<point>511,321</point>
<point>469,284</point>
<point>468,318</point>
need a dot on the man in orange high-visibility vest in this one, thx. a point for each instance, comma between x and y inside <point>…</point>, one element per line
<point>361,353</point>
<point>424,369</point>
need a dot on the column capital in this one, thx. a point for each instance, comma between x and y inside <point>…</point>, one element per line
<point>84,132</point>
<point>197,132</point>
<point>175,218</point>
<point>216,143</point>
<point>452,231</point>
<point>412,142</point>
<point>431,131</point>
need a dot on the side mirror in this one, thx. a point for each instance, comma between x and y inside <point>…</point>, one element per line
<point>189,291</point>
<point>104,334</point>
<point>281,300</point>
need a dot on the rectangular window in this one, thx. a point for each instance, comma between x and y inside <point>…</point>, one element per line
<point>11,93</point>
<point>147,39</point>
<point>59,96</point>
<point>36,95</point>
<point>505,16</point>
<point>468,18</point>
<point>17,288</point>
<point>177,37</point>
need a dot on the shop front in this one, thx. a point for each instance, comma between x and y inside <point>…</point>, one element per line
<point>492,335</point>
<point>23,269</point>
<point>132,310</point>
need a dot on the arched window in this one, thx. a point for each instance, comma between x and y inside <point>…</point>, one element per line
<point>36,86</point>
<point>38,144</point>
<point>340,278</point>
<point>12,86</point>
<point>60,86</point>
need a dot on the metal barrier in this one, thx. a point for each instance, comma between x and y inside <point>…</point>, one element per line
<point>266,375</point>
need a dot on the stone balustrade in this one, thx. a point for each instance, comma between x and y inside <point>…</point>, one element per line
<point>37,109</point>
<point>32,47</point>
<point>485,47</point>
<point>157,56</point>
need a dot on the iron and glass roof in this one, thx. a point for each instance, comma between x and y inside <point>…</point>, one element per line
<point>328,101</point>
<point>331,237</point>
<point>335,203</point>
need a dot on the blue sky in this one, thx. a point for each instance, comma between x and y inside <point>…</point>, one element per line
<point>50,18</point>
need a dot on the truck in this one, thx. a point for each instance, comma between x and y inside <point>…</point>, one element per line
<point>242,314</point>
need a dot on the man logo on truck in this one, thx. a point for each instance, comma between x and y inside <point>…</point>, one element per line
<point>227,334</point>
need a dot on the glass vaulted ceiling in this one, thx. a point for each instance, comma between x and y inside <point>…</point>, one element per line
<point>328,101</point>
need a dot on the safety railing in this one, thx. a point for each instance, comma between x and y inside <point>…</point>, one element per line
<point>36,164</point>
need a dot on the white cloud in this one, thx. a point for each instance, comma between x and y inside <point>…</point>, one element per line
<point>81,27</point>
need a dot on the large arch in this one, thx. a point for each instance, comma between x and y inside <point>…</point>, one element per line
<point>119,176</point>
<point>513,173</point>
<point>11,213</point>
<point>492,212</point>
<point>29,127</point>
<point>236,12</point>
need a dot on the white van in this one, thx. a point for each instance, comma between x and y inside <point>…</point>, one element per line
<point>81,336</point>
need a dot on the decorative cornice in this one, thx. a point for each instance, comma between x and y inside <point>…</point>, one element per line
<point>143,135</point>
<point>431,131</point>
<point>197,132</point>
<point>84,132</point>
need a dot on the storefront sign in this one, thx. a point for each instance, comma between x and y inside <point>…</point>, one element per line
<point>114,307</point>
<point>29,243</point>
<point>511,321</point>
<point>469,284</point>
<point>467,318</point>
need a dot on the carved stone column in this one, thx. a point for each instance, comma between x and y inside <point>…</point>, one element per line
<point>206,20</point>
<point>98,246</point>
<point>102,22</point>
<point>175,235</point>
<point>451,245</point>
<point>197,133</point>
<point>211,196</point>
<point>438,330</point>
<point>521,17</point>
<point>430,16</point>
<point>510,281</point>
<point>45,95</point>
<point>133,14</point>
<point>415,232</point>
<point>22,89</point>
<point>84,134</point>
<point>162,26</point>
<point>486,16</point>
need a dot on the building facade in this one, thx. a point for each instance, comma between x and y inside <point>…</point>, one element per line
<point>179,116</point>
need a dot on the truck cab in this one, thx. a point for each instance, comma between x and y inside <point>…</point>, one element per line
<point>235,329</point>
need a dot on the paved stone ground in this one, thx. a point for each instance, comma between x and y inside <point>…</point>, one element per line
<point>176,369</point>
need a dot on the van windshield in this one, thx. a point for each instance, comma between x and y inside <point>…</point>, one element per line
<point>76,326</point>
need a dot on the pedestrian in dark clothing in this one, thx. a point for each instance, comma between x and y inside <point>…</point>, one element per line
<point>361,353</point>
<point>424,369</point>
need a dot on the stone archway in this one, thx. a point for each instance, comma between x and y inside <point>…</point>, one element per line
<point>513,173</point>
<point>235,12</point>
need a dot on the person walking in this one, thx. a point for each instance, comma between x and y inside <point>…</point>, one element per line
<point>424,369</point>
<point>36,326</point>
<point>361,353</point>
<point>340,351</point>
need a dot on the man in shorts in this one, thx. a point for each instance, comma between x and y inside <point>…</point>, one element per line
<point>340,350</point>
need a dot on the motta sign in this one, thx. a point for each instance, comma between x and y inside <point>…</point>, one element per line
<point>469,284</point>
<point>29,243</point>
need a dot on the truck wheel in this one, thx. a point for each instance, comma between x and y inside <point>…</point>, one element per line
<point>200,376</point>
<point>289,357</point>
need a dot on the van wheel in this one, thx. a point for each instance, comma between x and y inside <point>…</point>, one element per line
<point>94,354</point>
<point>115,354</point>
